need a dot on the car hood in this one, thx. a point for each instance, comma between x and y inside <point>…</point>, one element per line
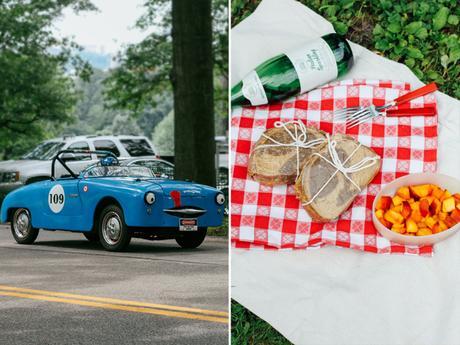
<point>167,186</point>
<point>186,188</point>
<point>23,164</point>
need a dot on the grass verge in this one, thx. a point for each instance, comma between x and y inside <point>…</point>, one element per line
<point>248,329</point>
<point>221,231</point>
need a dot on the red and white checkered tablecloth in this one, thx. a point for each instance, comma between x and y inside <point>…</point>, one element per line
<point>272,218</point>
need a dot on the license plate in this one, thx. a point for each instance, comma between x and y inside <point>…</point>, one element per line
<point>188,225</point>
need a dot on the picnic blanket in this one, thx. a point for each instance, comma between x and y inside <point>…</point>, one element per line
<point>335,295</point>
<point>273,217</point>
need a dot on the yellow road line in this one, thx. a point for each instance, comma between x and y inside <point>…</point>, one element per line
<point>114,301</point>
<point>114,304</point>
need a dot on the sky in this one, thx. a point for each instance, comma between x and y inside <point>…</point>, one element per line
<point>102,34</point>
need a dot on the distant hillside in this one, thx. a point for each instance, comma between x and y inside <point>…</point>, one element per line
<point>93,117</point>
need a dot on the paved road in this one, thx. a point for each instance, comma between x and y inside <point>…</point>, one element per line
<point>64,290</point>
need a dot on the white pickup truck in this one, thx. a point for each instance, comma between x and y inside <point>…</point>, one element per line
<point>36,165</point>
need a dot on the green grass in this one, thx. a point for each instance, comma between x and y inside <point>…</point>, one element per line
<point>422,34</point>
<point>248,329</point>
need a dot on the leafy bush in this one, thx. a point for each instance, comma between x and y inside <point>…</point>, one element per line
<point>424,35</point>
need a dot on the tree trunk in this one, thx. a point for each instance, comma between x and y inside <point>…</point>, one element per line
<point>192,78</point>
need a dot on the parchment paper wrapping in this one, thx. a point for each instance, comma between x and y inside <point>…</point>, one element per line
<point>278,164</point>
<point>339,192</point>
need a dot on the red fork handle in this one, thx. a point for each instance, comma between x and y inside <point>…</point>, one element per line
<point>425,111</point>
<point>424,90</point>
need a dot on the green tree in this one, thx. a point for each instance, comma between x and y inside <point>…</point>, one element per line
<point>90,102</point>
<point>142,74</point>
<point>192,78</point>
<point>124,124</point>
<point>34,89</point>
<point>145,68</point>
<point>93,117</point>
<point>90,115</point>
<point>151,116</point>
<point>163,136</point>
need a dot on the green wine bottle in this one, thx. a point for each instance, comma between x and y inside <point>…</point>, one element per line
<point>301,70</point>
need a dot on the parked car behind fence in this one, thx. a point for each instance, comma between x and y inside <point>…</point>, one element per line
<point>36,165</point>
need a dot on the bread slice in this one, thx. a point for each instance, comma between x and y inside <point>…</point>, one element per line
<point>278,164</point>
<point>339,193</point>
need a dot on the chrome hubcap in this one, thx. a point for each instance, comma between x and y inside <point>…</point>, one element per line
<point>111,228</point>
<point>21,223</point>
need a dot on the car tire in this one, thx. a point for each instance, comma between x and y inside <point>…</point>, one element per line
<point>21,227</point>
<point>112,229</point>
<point>91,236</point>
<point>190,240</point>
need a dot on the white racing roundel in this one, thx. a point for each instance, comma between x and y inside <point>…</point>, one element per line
<point>56,198</point>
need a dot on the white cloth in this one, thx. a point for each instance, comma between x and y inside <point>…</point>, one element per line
<point>339,296</point>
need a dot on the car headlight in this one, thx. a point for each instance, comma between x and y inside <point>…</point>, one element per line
<point>220,199</point>
<point>9,176</point>
<point>149,198</point>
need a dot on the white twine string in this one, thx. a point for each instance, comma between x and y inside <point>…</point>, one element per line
<point>299,140</point>
<point>340,166</point>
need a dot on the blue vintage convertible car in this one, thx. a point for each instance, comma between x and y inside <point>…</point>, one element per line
<point>112,203</point>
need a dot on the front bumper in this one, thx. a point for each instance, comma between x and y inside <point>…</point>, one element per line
<point>166,215</point>
<point>185,211</point>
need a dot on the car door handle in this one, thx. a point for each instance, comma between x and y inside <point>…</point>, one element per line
<point>72,195</point>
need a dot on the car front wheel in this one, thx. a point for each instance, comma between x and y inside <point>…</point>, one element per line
<point>193,239</point>
<point>21,227</point>
<point>113,232</point>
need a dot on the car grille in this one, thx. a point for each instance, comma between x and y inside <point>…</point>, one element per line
<point>185,211</point>
<point>5,177</point>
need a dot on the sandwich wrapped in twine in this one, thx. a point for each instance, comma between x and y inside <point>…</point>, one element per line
<point>335,161</point>
<point>334,175</point>
<point>271,161</point>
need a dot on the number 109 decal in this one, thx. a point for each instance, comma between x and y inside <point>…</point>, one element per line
<point>56,198</point>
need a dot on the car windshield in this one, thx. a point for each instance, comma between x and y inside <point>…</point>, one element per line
<point>117,171</point>
<point>44,151</point>
<point>137,147</point>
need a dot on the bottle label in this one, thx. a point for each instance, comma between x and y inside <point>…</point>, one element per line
<point>253,89</point>
<point>314,63</point>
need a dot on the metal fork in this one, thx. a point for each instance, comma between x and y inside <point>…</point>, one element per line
<point>424,111</point>
<point>358,115</point>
